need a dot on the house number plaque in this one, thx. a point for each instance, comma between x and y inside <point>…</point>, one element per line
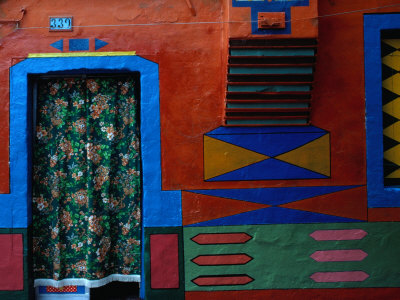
<point>60,23</point>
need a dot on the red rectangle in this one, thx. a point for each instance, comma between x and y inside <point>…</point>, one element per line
<point>64,289</point>
<point>11,262</point>
<point>384,214</point>
<point>164,261</point>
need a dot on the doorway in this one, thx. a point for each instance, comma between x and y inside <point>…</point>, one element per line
<point>86,179</point>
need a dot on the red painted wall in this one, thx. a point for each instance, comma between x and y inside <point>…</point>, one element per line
<point>192,61</point>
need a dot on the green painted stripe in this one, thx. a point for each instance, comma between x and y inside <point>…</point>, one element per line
<point>301,70</point>
<point>267,105</point>
<point>267,122</point>
<point>268,88</point>
<point>272,52</point>
<point>281,256</point>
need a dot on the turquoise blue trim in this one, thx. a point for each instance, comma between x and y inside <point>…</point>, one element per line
<point>272,52</point>
<point>267,105</point>
<point>378,195</point>
<point>275,70</point>
<point>268,88</point>
<point>267,122</point>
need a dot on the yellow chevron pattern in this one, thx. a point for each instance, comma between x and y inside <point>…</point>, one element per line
<point>391,111</point>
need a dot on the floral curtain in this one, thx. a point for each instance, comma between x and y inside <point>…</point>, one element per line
<point>86,182</point>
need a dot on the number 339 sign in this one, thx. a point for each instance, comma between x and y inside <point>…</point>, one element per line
<point>60,23</point>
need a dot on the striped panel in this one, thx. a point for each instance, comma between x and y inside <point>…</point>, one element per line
<point>270,81</point>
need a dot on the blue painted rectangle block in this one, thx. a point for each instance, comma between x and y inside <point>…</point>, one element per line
<point>79,45</point>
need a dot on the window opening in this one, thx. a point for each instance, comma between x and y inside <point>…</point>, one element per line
<point>270,81</point>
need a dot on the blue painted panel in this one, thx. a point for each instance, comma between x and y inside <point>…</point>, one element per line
<point>268,6</point>
<point>274,215</point>
<point>59,45</point>
<point>270,144</point>
<point>15,208</point>
<point>274,196</point>
<point>78,44</point>
<point>378,195</point>
<point>267,170</point>
<point>277,129</point>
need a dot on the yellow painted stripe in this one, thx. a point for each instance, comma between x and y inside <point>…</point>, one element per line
<point>79,54</point>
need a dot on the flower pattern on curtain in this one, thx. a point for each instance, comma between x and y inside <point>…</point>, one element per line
<point>86,179</point>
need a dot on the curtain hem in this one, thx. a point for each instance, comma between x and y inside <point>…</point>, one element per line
<point>86,282</point>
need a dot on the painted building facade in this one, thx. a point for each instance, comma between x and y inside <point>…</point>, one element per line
<point>269,140</point>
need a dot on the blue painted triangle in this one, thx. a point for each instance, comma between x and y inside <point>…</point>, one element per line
<point>266,170</point>
<point>274,196</point>
<point>59,45</point>
<point>270,144</point>
<point>274,215</point>
<point>99,44</point>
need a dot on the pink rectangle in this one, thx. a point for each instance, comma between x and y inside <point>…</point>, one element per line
<point>339,255</point>
<point>11,262</point>
<point>349,276</point>
<point>164,261</point>
<point>338,235</point>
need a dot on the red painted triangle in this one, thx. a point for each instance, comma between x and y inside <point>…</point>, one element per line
<point>348,204</point>
<point>199,208</point>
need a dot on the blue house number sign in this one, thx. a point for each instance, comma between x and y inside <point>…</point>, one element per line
<point>60,23</point>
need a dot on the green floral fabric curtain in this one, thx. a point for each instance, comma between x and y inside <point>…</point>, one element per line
<point>86,182</point>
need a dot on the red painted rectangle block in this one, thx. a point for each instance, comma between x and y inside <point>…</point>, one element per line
<point>164,261</point>
<point>221,238</point>
<point>64,289</point>
<point>11,262</point>
<point>299,294</point>
<point>384,214</point>
<point>222,280</point>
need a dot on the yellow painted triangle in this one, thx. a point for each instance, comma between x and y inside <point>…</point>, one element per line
<point>393,154</point>
<point>392,84</point>
<point>393,108</point>
<point>314,156</point>
<point>395,43</point>
<point>221,157</point>
<point>392,60</point>
<point>393,131</point>
<point>395,174</point>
